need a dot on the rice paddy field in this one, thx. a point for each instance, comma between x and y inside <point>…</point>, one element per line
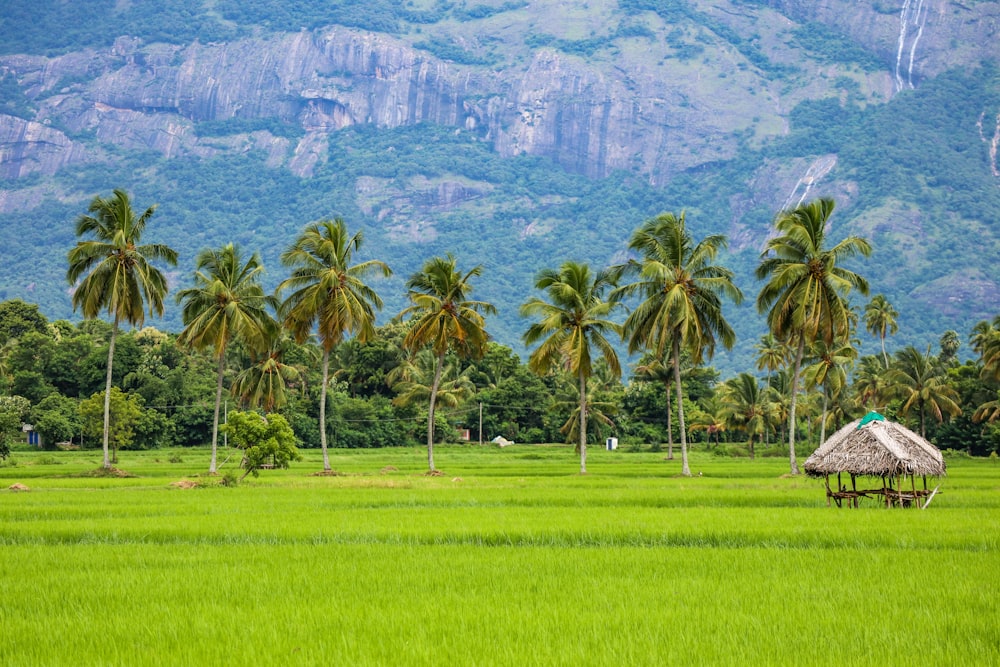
<point>510,558</point>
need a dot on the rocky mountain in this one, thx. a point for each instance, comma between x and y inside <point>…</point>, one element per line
<point>732,109</point>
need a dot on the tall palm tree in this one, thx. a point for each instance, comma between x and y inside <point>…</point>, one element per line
<point>880,320</point>
<point>805,296</point>
<point>745,406</point>
<point>117,274</point>
<point>329,293</point>
<point>445,319</point>
<point>571,326</point>
<point>682,292</point>
<point>227,303</point>
<point>917,379</point>
<point>869,383</point>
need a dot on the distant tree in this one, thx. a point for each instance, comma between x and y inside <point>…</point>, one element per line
<point>917,379</point>
<point>266,440</point>
<point>264,382</point>
<point>329,294</point>
<point>413,380</point>
<point>950,343</point>
<point>227,303</point>
<point>653,369</point>
<point>125,411</point>
<point>56,418</point>
<point>805,296</point>
<point>880,320</point>
<point>113,273</point>
<point>828,371</point>
<point>18,317</point>
<point>869,383</point>
<point>445,319</point>
<point>572,325</point>
<point>772,355</point>
<point>13,410</point>
<point>682,291</point>
<point>985,341</point>
<point>745,406</point>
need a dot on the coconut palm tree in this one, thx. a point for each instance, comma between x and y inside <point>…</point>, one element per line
<point>264,381</point>
<point>772,355</point>
<point>445,319</point>
<point>829,372</point>
<point>869,383</point>
<point>412,381</point>
<point>805,296</point>
<point>745,406</point>
<point>880,320</point>
<point>113,273</point>
<point>572,325</point>
<point>226,304</point>
<point>652,369</point>
<point>985,341</point>
<point>681,291</point>
<point>329,293</point>
<point>917,379</point>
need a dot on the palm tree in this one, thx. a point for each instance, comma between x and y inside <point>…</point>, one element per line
<point>445,320</point>
<point>412,381</point>
<point>116,273</point>
<point>880,320</point>
<point>652,369</point>
<point>682,306</point>
<point>829,372</point>
<point>329,293</point>
<point>805,296</point>
<point>571,326</point>
<point>985,341</point>
<point>869,383</point>
<point>772,354</point>
<point>950,342</point>
<point>745,406</point>
<point>227,303</point>
<point>263,383</point>
<point>917,380</point>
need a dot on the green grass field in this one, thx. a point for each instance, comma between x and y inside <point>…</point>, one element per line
<point>510,558</point>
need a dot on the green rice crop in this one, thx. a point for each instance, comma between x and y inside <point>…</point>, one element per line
<point>507,559</point>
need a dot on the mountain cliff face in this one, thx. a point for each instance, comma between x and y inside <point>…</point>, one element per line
<point>666,90</point>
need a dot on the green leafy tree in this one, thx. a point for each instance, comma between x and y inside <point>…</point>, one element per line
<point>227,303</point>
<point>113,273</point>
<point>918,380</point>
<point>56,418</point>
<point>985,341</point>
<point>18,317</point>
<point>266,440</point>
<point>805,296</point>
<point>124,412</point>
<point>445,319</point>
<point>13,410</point>
<point>329,293</point>
<point>880,320</point>
<point>681,290</point>
<point>264,382</point>
<point>572,325</point>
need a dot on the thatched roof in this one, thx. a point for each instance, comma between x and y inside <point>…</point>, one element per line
<point>878,448</point>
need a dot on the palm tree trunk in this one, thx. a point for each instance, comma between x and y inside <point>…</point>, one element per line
<point>685,468</point>
<point>822,424</point>
<point>322,409</point>
<point>793,464</point>
<point>220,371</point>
<point>670,424</point>
<point>884,355</point>
<point>430,411</point>
<point>923,430</point>
<point>107,395</point>
<point>583,423</point>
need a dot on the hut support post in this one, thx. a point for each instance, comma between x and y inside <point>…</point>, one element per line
<point>827,478</point>
<point>854,487</point>
<point>913,485</point>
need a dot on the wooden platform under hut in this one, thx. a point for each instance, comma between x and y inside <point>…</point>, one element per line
<point>874,448</point>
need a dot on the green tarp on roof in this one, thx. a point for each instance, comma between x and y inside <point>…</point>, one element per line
<point>871,417</point>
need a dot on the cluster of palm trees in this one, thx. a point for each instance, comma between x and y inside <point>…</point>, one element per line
<point>672,292</point>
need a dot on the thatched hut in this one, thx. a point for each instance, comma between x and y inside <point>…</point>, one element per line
<point>877,448</point>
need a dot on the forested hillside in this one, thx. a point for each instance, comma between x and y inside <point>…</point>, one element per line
<point>512,134</point>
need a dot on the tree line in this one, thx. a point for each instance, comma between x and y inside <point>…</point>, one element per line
<point>434,364</point>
